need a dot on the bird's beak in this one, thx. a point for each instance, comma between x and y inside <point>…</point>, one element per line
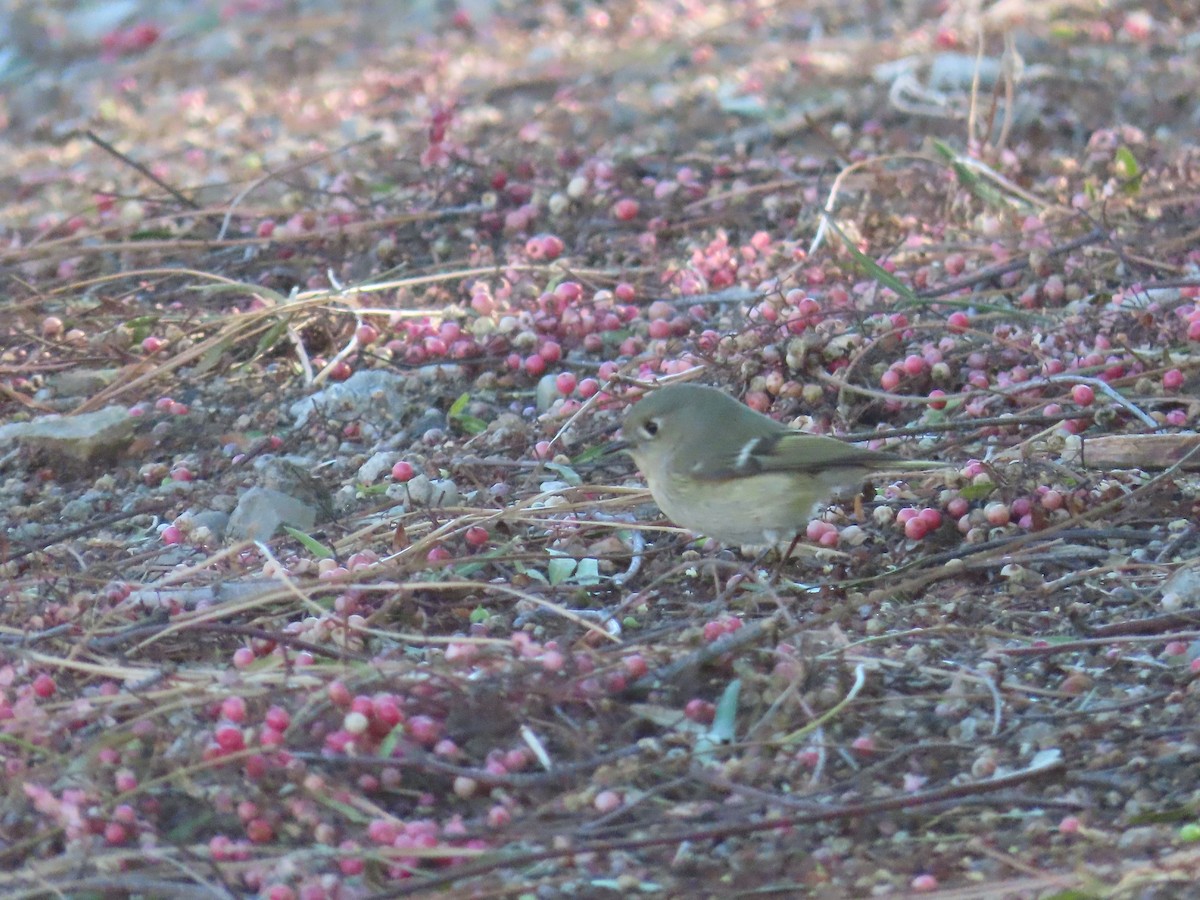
<point>614,447</point>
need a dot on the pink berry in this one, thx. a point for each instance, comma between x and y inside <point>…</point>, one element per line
<point>483,304</point>
<point>607,801</point>
<point>534,364</point>
<point>625,209</point>
<point>997,513</point>
<point>1069,825</point>
<point>915,528</point>
<point>476,536</point>
<point>44,686</point>
<point>234,709</point>
<point>172,535</point>
<point>816,528</point>
<point>937,404</point>
<point>1083,395</point>
<point>565,383</point>
<point>568,291</point>
<point>1172,380</point>
<point>242,657</point>
<point>588,387</point>
<point>402,472</point>
<point>425,730</point>
<point>864,744</point>
<point>229,737</point>
<point>700,711</point>
<point>890,380</point>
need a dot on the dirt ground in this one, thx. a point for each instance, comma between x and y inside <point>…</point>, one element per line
<point>314,322</point>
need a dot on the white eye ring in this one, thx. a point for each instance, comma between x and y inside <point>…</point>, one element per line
<point>650,428</point>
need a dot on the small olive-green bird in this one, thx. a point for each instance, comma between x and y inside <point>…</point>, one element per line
<point>717,467</point>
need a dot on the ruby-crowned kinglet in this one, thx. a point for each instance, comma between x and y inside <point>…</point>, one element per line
<point>717,467</point>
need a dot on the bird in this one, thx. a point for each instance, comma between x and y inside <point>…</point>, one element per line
<point>719,468</point>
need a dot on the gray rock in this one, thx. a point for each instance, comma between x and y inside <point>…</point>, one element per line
<point>376,467</point>
<point>367,394</point>
<point>212,519</point>
<point>82,441</point>
<point>261,512</point>
<point>81,382</point>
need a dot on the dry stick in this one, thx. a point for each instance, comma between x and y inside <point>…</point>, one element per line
<point>1053,771</point>
<point>990,272</point>
<point>145,172</point>
<point>1092,643</point>
<point>287,170</point>
<point>1152,625</point>
<point>728,643</point>
<point>416,758</point>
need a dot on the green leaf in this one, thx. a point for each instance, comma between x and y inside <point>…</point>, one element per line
<point>312,545</point>
<point>479,615</point>
<point>591,454</point>
<point>458,406</point>
<point>141,327</point>
<point>587,572</point>
<point>388,745</point>
<point>560,568</point>
<point>872,268</point>
<point>1163,816</point>
<point>724,726</point>
<point>977,491</point>
<point>566,473</point>
<point>471,424</point>
<point>468,423</point>
<point>970,179</point>
<point>1127,168</point>
<point>271,336</point>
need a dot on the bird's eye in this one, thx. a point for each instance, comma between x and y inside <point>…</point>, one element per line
<point>650,427</point>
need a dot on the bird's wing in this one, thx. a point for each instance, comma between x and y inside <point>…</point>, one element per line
<point>790,451</point>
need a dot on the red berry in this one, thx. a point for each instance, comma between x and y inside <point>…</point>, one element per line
<point>625,209</point>
<point>700,711</point>
<point>229,737</point>
<point>44,686</point>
